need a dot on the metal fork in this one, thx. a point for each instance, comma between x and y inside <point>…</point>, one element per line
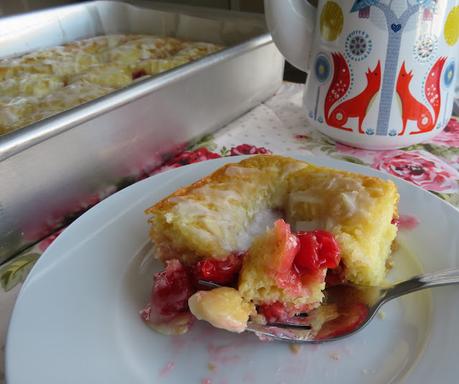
<point>345,297</point>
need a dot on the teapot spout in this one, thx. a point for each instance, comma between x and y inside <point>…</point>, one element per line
<point>291,24</point>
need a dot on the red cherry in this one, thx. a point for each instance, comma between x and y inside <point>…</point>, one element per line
<point>307,257</point>
<point>349,319</point>
<point>138,73</point>
<point>329,249</point>
<point>171,290</point>
<point>318,249</point>
<point>219,271</point>
<point>274,312</point>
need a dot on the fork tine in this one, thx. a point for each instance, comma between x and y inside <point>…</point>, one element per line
<point>289,325</point>
<point>292,335</point>
<point>209,284</point>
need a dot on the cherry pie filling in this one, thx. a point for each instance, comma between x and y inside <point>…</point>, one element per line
<point>311,255</point>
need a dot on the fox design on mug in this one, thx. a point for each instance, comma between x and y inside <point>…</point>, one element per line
<point>337,115</point>
<point>414,110</point>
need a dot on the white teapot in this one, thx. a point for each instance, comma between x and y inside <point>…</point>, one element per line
<point>381,73</point>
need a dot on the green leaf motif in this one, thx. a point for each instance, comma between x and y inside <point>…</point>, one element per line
<point>15,272</point>
<point>452,198</point>
<point>414,147</point>
<point>327,149</point>
<point>352,159</point>
<point>320,143</point>
<point>224,151</point>
<point>441,151</point>
<point>206,141</point>
<point>435,149</point>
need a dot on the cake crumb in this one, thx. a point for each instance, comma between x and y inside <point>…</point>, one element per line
<point>295,348</point>
<point>394,247</point>
<point>381,315</point>
<point>211,367</point>
<point>334,355</point>
<point>389,263</point>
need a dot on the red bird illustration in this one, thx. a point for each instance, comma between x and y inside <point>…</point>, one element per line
<point>414,110</point>
<point>357,106</point>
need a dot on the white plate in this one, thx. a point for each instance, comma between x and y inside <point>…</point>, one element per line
<point>76,319</point>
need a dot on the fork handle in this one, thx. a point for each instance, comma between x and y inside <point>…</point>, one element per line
<point>428,280</point>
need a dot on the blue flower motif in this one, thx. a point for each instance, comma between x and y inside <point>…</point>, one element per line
<point>425,47</point>
<point>449,74</point>
<point>320,119</point>
<point>392,132</point>
<point>358,45</point>
<point>322,67</point>
<point>311,115</point>
<point>370,131</point>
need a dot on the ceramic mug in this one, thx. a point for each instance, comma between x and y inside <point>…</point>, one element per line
<point>381,74</point>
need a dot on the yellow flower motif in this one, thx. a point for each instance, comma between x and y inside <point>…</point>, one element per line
<point>451,30</point>
<point>331,21</point>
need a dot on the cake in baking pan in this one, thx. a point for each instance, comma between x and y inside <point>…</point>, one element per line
<point>32,85</point>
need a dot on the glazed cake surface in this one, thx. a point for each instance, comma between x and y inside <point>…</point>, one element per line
<point>209,218</point>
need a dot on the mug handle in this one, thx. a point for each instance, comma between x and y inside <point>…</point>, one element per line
<point>291,24</point>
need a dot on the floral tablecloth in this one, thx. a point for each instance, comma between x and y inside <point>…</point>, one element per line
<point>278,126</point>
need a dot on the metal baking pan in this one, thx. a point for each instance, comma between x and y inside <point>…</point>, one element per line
<point>49,168</point>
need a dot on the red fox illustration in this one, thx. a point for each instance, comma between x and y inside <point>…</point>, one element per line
<point>354,107</point>
<point>412,109</point>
